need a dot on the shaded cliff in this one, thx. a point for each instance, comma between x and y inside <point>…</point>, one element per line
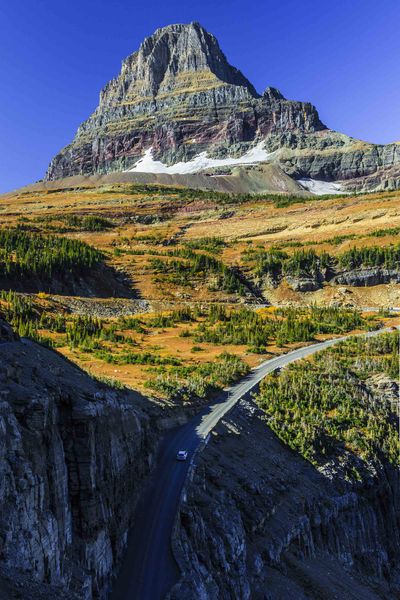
<point>260,522</point>
<point>74,453</point>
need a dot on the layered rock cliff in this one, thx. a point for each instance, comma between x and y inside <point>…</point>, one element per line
<point>179,98</point>
<point>361,277</point>
<point>260,522</point>
<point>74,453</point>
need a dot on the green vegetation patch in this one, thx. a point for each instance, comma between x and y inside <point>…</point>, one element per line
<point>212,244</point>
<point>324,407</point>
<point>23,255</point>
<point>247,327</point>
<point>385,231</point>
<point>277,263</point>
<point>371,256</point>
<point>306,263</point>
<point>198,381</point>
<point>65,223</point>
<point>197,266</point>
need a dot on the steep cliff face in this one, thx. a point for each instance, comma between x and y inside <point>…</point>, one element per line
<point>328,156</point>
<point>74,454</point>
<point>179,98</point>
<point>362,277</point>
<point>368,276</point>
<point>260,522</point>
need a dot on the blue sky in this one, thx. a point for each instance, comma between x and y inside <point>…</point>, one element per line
<point>342,56</point>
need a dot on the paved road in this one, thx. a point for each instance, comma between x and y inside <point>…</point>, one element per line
<point>149,570</point>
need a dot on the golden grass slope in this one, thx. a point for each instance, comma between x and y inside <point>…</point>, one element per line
<point>148,219</point>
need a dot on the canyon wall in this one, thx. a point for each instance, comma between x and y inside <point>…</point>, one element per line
<point>261,522</point>
<point>74,454</point>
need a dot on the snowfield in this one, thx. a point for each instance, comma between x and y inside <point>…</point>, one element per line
<point>319,188</point>
<point>200,162</point>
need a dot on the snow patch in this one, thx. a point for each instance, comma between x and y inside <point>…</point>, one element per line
<point>147,164</point>
<point>320,188</point>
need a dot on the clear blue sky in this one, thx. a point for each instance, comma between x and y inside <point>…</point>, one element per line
<point>343,56</point>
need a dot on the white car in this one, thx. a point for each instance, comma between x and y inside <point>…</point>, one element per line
<point>182,455</point>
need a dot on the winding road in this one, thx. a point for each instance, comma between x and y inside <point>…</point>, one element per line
<point>149,569</point>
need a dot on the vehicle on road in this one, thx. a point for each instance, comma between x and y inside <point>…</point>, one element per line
<point>182,455</point>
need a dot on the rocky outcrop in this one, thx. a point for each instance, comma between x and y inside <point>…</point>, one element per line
<point>312,281</point>
<point>16,585</point>
<point>328,156</point>
<point>74,454</point>
<point>260,522</point>
<point>179,96</point>
<point>304,284</point>
<point>6,333</point>
<point>367,276</point>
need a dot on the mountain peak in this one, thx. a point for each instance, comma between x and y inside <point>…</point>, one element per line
<point>273,94</point>
<point>174,56</point>
<point>178,28</point>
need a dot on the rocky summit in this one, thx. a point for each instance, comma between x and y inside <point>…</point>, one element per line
<point>178,107</point>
